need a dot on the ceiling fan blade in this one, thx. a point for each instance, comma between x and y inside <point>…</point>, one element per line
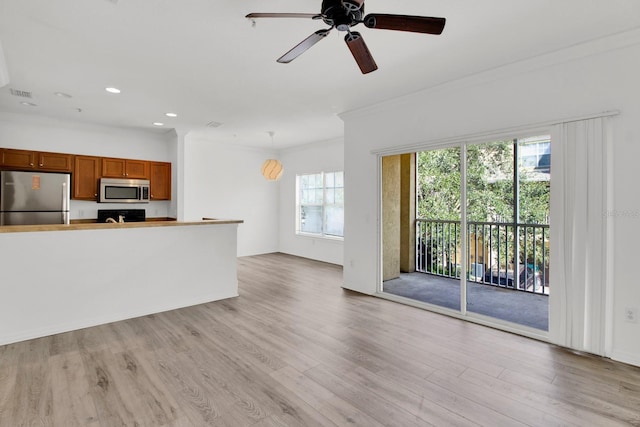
<point>360,52</point>
<point>283,15</point>
<point>414,24</point>
<point>303,46</point>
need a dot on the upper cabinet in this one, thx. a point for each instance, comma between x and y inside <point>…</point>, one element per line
<point>55,161</point>
<point>125,168</point>
<point>137,169</point>
<point>22,159</point>
<point>85,178</point>
<point>160,181</point>
<point>86,171</point>
<point>26,159</point>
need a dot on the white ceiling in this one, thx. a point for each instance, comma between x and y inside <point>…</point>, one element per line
<point>204,61</point>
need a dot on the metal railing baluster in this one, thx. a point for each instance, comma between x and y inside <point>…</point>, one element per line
<point>439,242</point>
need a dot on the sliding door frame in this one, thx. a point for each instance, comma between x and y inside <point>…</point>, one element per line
<point>462,143</point>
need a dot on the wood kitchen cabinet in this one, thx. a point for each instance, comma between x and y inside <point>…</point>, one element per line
<point>26,159</point>
<point>87,170</point>
<point>55,162</point>
<point>160,177</point>
<point>125,168</point>
<point>20,159</point>
<point>86,177</point>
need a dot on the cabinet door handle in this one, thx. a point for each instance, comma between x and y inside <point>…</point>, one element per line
<point>30,164</point>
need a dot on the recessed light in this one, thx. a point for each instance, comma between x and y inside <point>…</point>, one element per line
<point>112,89</point>
<point>158,124</point>
<point>28,104</point>
<point>171,114</point>
<point>62,95</point>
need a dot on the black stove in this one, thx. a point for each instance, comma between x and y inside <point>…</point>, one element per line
<point>128,215</point>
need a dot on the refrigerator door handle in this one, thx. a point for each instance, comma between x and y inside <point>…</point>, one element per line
<point>65,203</point>
<point>65,197</point>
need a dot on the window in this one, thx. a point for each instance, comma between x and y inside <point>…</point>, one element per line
<point>320,204</point>
<point>535,153</point>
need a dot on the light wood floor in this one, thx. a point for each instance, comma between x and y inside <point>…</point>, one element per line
<point>297,350</point>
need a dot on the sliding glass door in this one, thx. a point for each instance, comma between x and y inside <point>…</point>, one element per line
<point>481,230</point>
<point>507,211</point>
<point>438,231</point>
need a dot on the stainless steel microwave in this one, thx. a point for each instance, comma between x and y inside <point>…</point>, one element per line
<point>114,190</point>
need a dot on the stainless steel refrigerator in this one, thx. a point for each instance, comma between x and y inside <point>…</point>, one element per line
<point>34,198</point>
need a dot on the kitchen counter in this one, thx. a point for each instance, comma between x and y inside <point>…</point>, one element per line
<point>101,226</point>
<point>96,273</point>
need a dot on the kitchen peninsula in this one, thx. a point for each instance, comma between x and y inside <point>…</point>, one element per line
<point>58,278</point>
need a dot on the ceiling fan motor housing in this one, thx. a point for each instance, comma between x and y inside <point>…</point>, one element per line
<point>353,5</point>
<point>342,14</point>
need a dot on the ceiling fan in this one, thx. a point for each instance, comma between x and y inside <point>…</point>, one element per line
<point>344,14</point>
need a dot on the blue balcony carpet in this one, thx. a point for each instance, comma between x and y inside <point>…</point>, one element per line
<point>523,308</point>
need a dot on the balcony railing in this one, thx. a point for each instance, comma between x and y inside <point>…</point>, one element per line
<point>507,255</point>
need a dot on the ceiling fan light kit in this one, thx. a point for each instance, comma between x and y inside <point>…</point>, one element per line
<point>344,14</point>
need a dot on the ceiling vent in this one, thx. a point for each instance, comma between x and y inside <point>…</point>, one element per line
<point>214,124</point>
<point>21,93</point>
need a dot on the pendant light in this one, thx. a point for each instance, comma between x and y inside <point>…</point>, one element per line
<point>272,168</point>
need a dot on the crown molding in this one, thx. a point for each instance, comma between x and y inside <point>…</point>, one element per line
<point>575,52</point>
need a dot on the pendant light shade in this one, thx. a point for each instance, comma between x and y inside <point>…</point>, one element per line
<point>272,169</point>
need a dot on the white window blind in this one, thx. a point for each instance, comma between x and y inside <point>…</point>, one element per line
<point>578,224</point>
<point>320,204</point>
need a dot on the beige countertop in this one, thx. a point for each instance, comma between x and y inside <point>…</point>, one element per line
<point>102,226</point>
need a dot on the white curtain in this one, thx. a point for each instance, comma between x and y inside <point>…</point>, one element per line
<point>578,224</point>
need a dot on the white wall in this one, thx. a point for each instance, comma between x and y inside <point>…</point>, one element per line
<point>224,181</point>
<point>59,281</point>
<point>37,133</point>
<point>325,156</point>
<point>209,179</point>
<point>586,79</point>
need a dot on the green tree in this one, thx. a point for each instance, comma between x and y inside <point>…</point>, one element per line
<point>439,184</point>
<point>489,198</point>
<point>490,182</point>
<point>489,185</point>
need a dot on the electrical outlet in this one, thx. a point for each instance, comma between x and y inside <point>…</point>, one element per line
<point>631,314</point>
